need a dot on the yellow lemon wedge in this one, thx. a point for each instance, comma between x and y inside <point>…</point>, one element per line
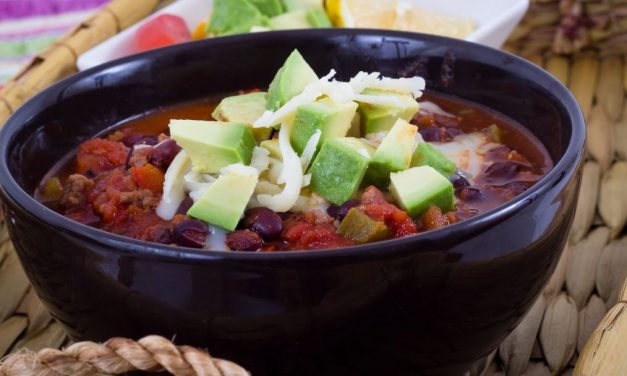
<point>397,15</point>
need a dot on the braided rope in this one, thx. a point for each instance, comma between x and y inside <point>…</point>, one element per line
<point>116,356</point>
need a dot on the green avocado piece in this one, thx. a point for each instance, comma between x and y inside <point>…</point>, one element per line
<point>245,108</point>
<point>331,118</point>
<point>417,188</point>
<point>291,5</point>
<point>289,81</point>
<point>269,8</point>
<point>393,154</point>
<point>291,20</point>
<point>318,18</point>
<point>377,118</point>
<point>358,226</point>
<point>339,168</point>
<point>234,17</point>
<point>225,201</point>
<point>212,145</point>
<point>427,155</point>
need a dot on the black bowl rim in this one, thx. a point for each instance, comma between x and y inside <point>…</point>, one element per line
<point>118,243</point>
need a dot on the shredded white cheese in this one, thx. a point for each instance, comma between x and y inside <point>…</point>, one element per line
<point>434,109</point>
<point>343,92</point>
<point>239,169</point>
<point>310,149</point>
<point>306,180</point>
<point>467,151</point>
<point>174,186</point>
<point>291,175</point>
<point>260,159</point>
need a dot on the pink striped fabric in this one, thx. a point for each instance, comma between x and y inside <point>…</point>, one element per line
<point>29,26</point>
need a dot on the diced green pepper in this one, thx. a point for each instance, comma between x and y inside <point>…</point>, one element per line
<point>359,227</point>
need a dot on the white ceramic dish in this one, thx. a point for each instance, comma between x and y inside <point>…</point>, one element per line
<point>495,21</point>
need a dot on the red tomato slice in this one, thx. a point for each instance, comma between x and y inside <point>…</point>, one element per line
<point>163,30</point>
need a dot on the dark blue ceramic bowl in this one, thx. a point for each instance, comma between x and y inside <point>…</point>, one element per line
<point>424,304</point>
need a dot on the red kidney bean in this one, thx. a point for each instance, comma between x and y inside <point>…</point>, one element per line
<point>514,188</point>
<point>190,233</point>
<point>147,140</point>
<point>446,121</point>
<point>131,139</point>
<point>453,132</point>
<point>502,170</point>
<point>185,205</point>
<point>164,153</point>
<point>244,241</point>
<point>432,134</point>
<point>264,222</point>
<point>339,212</point>
<point>165,237</point>
<point>468,193</point>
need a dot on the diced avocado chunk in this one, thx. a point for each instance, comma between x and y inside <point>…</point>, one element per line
<point>339,168</point>
<point>245,108</point>
<point>212,145</point>
<point>318,18</point>
<point>269,8</point>
<point>234,17</point>
<point>358,226</point>
<point>291,5</point>
<point>272,146</point>
<point>427,155</point>
<point>393,154</point>
<point>289,81</point>
<point>331,118</point>
<point>225,201</point>
<point>291,20</point>
<point>417,188</point>
<point>378,118</point>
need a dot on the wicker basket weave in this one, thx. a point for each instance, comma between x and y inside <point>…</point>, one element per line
<point>579,320</point>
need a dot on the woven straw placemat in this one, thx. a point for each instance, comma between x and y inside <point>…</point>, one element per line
<point>580,318</point>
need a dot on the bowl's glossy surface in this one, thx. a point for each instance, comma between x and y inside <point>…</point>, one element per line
<point>418,305</point>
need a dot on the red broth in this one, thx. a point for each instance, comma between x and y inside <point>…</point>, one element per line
<point>104,186</point>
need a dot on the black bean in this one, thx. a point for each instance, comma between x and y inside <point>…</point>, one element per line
<point>164,153</point>
<point>502,170</point>
<point>431,134</point>
<point>339,212</point>
<point>244,241</point>
<point>468,193</point>
<point>264,222</point>
<point>458,180</point>
<point>185,205</point>
<point>190,233</point>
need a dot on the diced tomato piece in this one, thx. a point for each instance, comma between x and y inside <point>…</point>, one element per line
<point>148,177</point>
<point>99,155</point>
<point>161,31</point>
<point>373,203</point>
<point>433,218</point>
<point>301,231</point>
